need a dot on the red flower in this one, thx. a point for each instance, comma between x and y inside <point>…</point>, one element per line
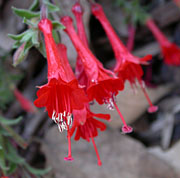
<point>79,71</point>
<point>101,85</point>
<point>78,12</point>
<point>90,129</point>
<point>121,52</point>
<point>127,65</point>
<point>61,94</point>
<point>26,104</point>
<point>170,51</point>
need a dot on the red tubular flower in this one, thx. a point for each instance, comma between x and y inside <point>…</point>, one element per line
<point>61,94</point>
<point>90,129</point>
<point>26,104</point>
<point>170,51</point>
<point>102,84</point>
<point>127,65</point>
<point>121,52</point>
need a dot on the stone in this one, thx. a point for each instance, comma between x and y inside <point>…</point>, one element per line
<point>131,103</point>
<point>171,156</point>
<point>121,156</point>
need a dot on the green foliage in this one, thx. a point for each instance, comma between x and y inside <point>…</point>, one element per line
<point>30,38</point>
<point>6,79</point>
<point>134,12</point>
<point>10,160</point>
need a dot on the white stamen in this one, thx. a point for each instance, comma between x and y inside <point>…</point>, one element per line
<point>62,120</point>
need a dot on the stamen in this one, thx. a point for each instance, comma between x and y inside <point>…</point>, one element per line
<point>96,150</point>
<point>125,128</point>
<point>63,120</point>
<point>152,108</point>
<point>110,104</point>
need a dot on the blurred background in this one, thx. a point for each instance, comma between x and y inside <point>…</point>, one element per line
<point>151,151</point>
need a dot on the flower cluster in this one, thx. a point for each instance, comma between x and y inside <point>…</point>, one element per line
<point>66,96</point>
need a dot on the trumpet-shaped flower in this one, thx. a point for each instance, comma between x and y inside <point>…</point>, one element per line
<point>127,66</point>
<point>62,93</point>
<point>102,84</point>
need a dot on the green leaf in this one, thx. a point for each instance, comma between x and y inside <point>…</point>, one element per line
<point>37,171</point>
<point>11,155</point>
<point>56,36</point>
<point>4,132</point>
<point>42,49</point>
<point>2,156</point>
<point>57,25</point>
<point>12,168</point>
<point>32,23</point>
<point>19,36</point>
<point>27,36</point>
<point>34,5</point>
<point>25,13</point>
<point>35,41</point>
<point>10,121</point>
<point>18,139</point>
<point>51,7</point>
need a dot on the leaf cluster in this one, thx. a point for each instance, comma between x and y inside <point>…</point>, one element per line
<point>10,160</point>
<point>31,37</point>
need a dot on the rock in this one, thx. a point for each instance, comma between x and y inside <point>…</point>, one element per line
<point>132,105</point>
<point>121,156</point>
<point>171,156</point>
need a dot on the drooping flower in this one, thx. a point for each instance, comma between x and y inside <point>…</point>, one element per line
<point>121,52</point>
<point>62,93</point>
<point>102,84</point>
<point>89,130</point>
<point>127,66</point>
<point>26,104</point>
<point>170,51</point>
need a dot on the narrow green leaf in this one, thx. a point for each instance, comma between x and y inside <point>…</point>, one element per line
<point>34,5</point>
<point>12,168</point>
<point>32,23</point>
<point>18,139</point>
<point>12,155</point>
<point>35,41</point>
<point>25,13</point>
<point>57,25</point>
<point>10,121</point>
<point>19,36</point>
<point>37,171</point>
<point>27,36</point>
<point>51,7</point>
<point>56,36</point>
<point>4,132</point>
<point>2,156</point>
